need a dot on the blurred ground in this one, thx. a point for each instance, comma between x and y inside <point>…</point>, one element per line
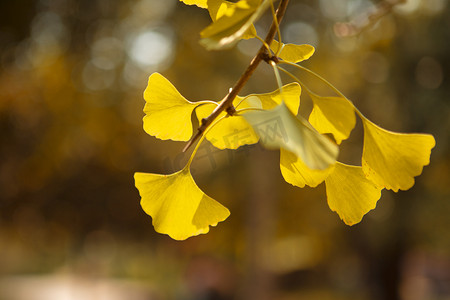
<point>72,75</point>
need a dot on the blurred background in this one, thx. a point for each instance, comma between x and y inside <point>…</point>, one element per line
<point>72,74</point>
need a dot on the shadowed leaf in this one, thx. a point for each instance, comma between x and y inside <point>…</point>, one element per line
<point>279,128</point>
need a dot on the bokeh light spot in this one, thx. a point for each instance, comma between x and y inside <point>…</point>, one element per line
<point>152,47</point>
<point>301,33</point>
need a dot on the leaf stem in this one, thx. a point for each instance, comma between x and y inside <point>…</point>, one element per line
<point>227,103</point>
<point>277,76</point>
<point>275,19</point>
<point>358,112</point>
<point>297,80</point>
<point>249,109</point>
<point>317,76</point>
<point>201,140</point>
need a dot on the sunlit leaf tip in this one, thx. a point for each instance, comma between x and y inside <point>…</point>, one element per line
<point>168,113</point>
<point>177,205</point>
<point>199,3</point>
<point>391,159</point>
<point>350,193</point>
<point>279,128</point>
<point>335,115</point>
<point>291,52</point>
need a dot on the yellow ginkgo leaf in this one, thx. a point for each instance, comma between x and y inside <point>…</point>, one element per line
<point>335,115</point>
<point>350,193</point>
<point>234,131</point>
<point>177,205</point>
<point>219,8</point>
<point>168,114</point>
<point>233,23</point>
<point>391,159</point>
<point>291,52</point>
<point>199,3</point>
<point>279,128</point>
<point>231,132</point>
<point>295,172</point>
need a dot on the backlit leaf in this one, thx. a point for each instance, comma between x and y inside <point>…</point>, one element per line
<point>177,205</point>
<point>234,131</point>
<point>231,132</point>
<point>391,159</point>
<point>279,128</point>
<point>168,113</point>
<point>295,172</point>
<point>219,8</point>
<point>234,22</point>
<point>350,193</point>
<point>291,52</point>
<point>335,115</point>
<point>199,3</point>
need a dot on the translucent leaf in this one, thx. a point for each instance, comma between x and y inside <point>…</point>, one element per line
<point>233,23</point>
<point>219,8</point>
<point>177,205</point>
<point>168,114</point>
<point>199,3</point>
<point>295,172</point>
<point>230,133</point>
<point>291,52</point>
<point>350,193</point>
<point>335,115</point>
<point>234,131</point>
<point>391,159</point>
<point>279,128</point>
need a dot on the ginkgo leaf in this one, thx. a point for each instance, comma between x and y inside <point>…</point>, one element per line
<point>168,113</point>
<point>231,132</point>
<point>279,128</point>
<point>219,8</point>
<point>233,24</point>
<point>234,131</point>
<point>199,3</point>
<point>295,172</point>
<point>335,115</point>
<point>391,159</point>
<point>350,193</point>
<point>291,52</point>
<point>177,205</point>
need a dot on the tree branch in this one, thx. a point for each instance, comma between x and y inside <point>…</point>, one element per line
<point>361,22</point>
<point>227,103</point>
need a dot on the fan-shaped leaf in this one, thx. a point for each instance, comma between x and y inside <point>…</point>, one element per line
<point>177,205</point>
<point>291,52</point>
<point>391,159</point>
<point>168,114</point>
<point>350,193</point>
<point>335,115</point>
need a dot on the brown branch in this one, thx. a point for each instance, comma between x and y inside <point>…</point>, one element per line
<point>227,103</point>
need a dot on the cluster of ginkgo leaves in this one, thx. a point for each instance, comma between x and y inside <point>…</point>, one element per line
<point>307,157</point>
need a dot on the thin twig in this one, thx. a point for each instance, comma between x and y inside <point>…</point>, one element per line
<point>227,103</point>
<point>363,21</point>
